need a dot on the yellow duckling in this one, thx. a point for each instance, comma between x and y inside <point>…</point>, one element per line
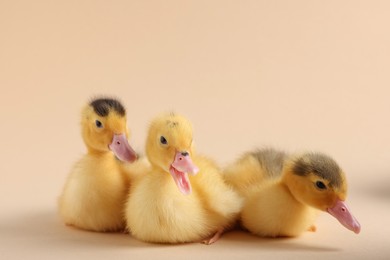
<point>283,194</point>
<point>183,197</point>
<point>97,187</point>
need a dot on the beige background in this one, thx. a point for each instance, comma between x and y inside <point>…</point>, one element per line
<point>298,75</point>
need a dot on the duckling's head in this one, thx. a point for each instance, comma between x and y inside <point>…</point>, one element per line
<point>317,180</point>
<point>169,148</point>
<point>104,128</point>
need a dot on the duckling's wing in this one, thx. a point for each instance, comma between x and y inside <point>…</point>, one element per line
<point>253,169</point>
<point>270,162</point>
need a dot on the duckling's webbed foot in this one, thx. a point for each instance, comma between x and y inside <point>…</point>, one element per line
<point>214,238</point>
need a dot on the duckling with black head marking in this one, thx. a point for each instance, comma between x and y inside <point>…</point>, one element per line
<point>96,188</point>
<point>287,201</point>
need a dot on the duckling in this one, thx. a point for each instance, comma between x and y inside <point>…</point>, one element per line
<point>284,193</point>
<point>97,186</point>
<point>183,197</point>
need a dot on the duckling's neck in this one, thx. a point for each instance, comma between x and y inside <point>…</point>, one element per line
<point>96,153</point>
<point>287,189</point>
<point>158,171</point>
<point>161,176</point>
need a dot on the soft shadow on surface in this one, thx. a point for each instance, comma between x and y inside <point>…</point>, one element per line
<point>247,240</point>
<point>45,229</point>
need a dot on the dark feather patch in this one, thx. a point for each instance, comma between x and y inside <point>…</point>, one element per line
<point>172,124</point>
<point>270,160</point>
<point>102,106</point>
<point>321,165</point>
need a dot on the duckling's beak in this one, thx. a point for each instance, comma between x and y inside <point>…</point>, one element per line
<point>121,148</point>
<point>342,213</point>
<point>181,166</point>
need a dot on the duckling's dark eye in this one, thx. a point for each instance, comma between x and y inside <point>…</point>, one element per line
<point>98,124</point>
<point>163,140</point>
<point>320,185</point>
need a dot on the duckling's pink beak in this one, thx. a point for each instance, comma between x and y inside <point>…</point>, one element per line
<point>181,166</point>
<point>121,148</point>
<point>343,214</point>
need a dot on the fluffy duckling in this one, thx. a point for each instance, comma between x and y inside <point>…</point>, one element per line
<point>183,197</point>
<point>97,187</point>
<point>283,194</point>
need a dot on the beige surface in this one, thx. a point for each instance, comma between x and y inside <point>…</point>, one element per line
<point>293,74</point>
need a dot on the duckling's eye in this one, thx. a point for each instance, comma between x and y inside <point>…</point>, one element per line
<point>320,185</point>
<point>163,140</point>
<point>98,124</point>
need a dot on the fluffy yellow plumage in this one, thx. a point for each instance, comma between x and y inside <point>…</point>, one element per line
<point>283,194</point>
<point>183,197</point>
<point>97,186</point>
